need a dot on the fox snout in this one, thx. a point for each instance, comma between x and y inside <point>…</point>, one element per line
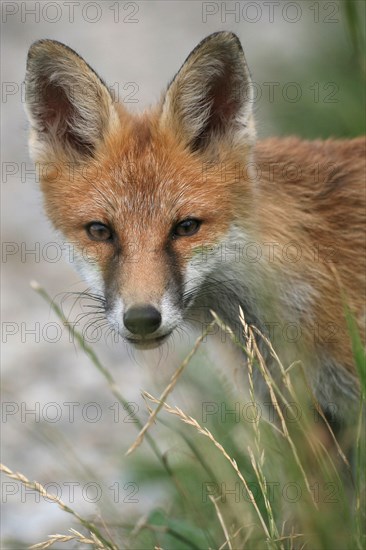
<point>142,320</point>
<point>143,326</point>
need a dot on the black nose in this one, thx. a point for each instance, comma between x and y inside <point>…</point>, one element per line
<point>142,320</point>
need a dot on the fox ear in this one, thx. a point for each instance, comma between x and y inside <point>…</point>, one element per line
<point>211,96</point>
<point>68,105</point>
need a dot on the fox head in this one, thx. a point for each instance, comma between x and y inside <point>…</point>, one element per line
<point>145,200</point>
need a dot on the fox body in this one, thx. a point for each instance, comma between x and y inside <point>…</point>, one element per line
<point>179,211</point>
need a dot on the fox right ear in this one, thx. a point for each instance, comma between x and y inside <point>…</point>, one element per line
<point>210,99</point>
<point>69,107</point>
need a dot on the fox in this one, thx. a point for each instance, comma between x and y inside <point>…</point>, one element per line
<point>179,211</point>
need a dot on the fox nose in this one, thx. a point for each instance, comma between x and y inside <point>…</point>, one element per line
<point>142,319</point>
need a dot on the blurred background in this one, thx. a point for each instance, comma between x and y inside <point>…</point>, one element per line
<point>61,425</point>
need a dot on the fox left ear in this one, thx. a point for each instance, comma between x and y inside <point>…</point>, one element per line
<point>210,98</point>
<point>69,107</point>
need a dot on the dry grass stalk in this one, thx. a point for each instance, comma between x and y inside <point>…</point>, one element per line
<point>222,523</point>
<point>168,390</point>
<point>76,536</point>
<point>259,463</point>
<point>254,353</point>
<point>35,486</point>
<point>204,431</point>
<point>314,444</point>
<point>271,385</point>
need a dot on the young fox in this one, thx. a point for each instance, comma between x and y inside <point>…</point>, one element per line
<point>179,211</point>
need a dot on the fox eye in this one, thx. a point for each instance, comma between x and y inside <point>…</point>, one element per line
<point>186,228</point>
<point>98,231</point>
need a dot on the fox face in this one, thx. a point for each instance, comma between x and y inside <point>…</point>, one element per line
<point>144,200</point>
